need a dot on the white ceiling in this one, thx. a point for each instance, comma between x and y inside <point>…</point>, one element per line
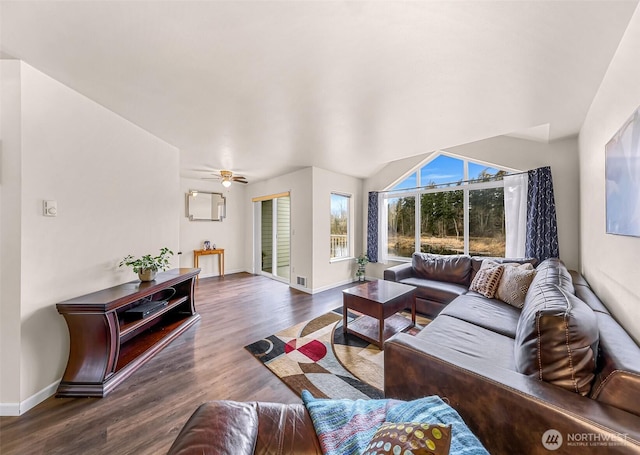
<point>266,87</point>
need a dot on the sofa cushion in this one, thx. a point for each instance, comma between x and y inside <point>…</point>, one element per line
<point>471,340</point>
<point>515,283</point>
<point>437,291</point>
<point>557,338</point>
<point>442,267</point>
<point>617,379</point>
<point>490,314</point>
<point>584,293</point>
<point>553,271</point>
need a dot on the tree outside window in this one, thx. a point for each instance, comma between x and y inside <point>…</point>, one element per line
<point>339,239</point>
<point>401,226</point>
<point>460,209</point>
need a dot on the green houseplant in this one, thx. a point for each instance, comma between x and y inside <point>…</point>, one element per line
<point>147,266</point>
<point>362,261</point>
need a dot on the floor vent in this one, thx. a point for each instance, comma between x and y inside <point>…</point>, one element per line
<point>302,281</point>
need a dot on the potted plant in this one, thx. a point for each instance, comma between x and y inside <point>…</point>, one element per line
<point>147,266</point>
<point>362,261</point>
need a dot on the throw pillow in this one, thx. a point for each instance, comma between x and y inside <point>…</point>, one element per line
<point>557,338</point>
<point>410,438</point>
<point>490,262</point>
<point>477,261</point>
<point>515,283</point>
<point>487,280</point>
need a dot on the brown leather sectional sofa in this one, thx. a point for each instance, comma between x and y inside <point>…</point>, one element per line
<point>558,376</point>
<point>440,281</point>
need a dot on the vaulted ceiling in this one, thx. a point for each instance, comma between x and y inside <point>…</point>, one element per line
<point>266,87</point>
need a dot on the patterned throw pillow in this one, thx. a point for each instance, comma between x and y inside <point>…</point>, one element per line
<point>515,283</point>
<point>410,439</point>
<point>487,280</point>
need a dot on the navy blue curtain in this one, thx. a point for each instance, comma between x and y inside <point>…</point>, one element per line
<point>372,227</point>
<point>542,227</point>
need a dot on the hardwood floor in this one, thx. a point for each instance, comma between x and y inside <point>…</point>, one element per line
<point>208,362</point>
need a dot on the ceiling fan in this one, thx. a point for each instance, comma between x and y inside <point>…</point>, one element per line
<point>227,177</point>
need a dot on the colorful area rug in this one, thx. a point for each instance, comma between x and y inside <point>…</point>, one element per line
<point>315,355</point>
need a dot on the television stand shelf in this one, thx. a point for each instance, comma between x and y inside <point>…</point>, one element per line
<point>106,347</point>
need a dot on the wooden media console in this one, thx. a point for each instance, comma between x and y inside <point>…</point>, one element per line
<point>106,347</point>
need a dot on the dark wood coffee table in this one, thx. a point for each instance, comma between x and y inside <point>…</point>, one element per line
<point>379,302</point>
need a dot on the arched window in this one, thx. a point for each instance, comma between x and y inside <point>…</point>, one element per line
<point>448,205</point>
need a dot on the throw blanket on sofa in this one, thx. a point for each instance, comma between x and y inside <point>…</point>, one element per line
<point>345,427</point>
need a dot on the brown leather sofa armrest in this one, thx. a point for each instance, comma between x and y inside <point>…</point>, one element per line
<point>398,272</point>
<point>219,427</point>
<point>285,429</point>
<point>508,412</point>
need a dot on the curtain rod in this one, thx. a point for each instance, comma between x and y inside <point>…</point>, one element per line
<point>436,185</point>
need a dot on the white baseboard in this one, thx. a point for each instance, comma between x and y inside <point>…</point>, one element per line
<point>9,409</point>
<point>17,409</point>
<point>39,397</point>
<point>226,272</point>
<point>301,288</point>
<point>329,286</point>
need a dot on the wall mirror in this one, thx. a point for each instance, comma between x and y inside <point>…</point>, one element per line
<point>205,206</point>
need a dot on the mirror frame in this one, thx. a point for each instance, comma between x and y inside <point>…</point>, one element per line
<point>194,193</point>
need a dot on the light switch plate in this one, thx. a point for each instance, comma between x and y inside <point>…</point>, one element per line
<point>50,208</point>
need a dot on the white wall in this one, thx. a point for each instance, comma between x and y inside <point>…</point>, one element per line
<point>310,225</point>
<point>299,183</point>
<point>10,223</point>
<point>227,234</point>
<point>328,274</point>
<point>520,154</point>
<point>610,262</point>
<point>118,192</point>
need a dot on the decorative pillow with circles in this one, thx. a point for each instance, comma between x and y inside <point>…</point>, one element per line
<point>410,438</point>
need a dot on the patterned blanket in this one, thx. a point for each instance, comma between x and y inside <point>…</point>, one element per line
<point>345,427</point>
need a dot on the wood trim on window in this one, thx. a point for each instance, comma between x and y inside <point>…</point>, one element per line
<point>271,196</point>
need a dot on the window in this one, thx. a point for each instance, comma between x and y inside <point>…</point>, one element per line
<point>441,170</point>
<point>401,226</point>
<point>442,222</point>
<point>340,245</point>
<point>486,222</point>
<point>449,205</point>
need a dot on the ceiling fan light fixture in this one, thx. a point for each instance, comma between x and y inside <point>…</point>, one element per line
<point>227,178</point>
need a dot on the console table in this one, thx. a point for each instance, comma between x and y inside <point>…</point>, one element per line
<point>218,251</point>
<point>106,347</point>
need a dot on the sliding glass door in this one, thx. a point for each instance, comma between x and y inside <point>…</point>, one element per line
<point>266,236</point>
<point>273,226</point>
